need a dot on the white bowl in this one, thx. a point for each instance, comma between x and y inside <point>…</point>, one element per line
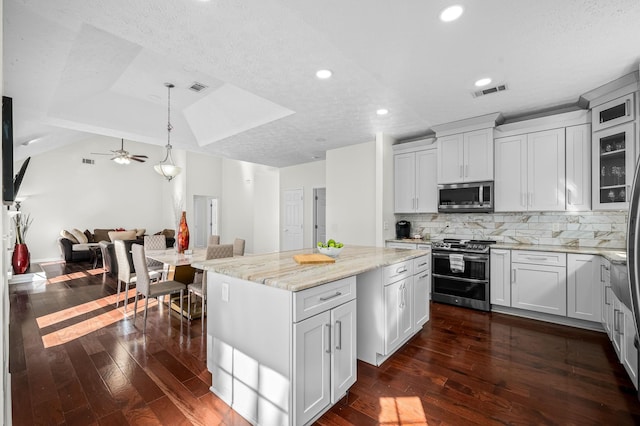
<point>330,251</point>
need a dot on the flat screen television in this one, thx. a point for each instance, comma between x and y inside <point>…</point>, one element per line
<point>8,194</point>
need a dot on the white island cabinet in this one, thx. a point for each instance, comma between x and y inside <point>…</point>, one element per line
<point>394,302</point>
<point>282,337</point>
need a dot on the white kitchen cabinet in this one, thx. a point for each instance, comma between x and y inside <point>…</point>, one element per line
<point>616,336</point>
<point>614,112</point>
<point>578,167</point>
<point>325,359</point>
<point>408,246</point>
<point>584,288</point>
<point>415,186</point>
<point>386,304</point>
<point>466,157</point>
<point>421,291</point>
<point>397,313</point>
<point>628,349</point>
<point>613,158</point>
<point>313,366</point>
<point>607,297</point>
<point>530,172</point>
<point>539,281</point>
<point>500,268</point>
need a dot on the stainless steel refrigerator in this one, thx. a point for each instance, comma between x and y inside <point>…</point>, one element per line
<point>633,253</point>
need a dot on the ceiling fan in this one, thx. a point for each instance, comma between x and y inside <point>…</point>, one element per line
<point>121,156</point>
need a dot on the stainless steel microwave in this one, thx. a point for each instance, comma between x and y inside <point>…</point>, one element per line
<point>465,197</point>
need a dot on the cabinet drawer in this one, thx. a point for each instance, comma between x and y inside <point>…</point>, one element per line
<point>312,301</point>
<point>392,244</point>
<point>539,257</point>
<point>397,271</point>
<point>424,246</point>
<point>421,264</point>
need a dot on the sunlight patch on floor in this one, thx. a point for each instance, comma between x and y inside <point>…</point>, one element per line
<point>401,411</point>
<point>90,325</point>
<point>67,277</point>
<point>74,311</point>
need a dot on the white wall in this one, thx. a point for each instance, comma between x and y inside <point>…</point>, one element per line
<point>249,203</point>
<point>62,193</point>
<point>266,214</point>
<point>307,176</point>
<point>385,216</point>
<point>204,178</point>
<point>351,194</point>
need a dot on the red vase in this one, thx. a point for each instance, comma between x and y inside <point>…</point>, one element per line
<point>183,234</point>
<point>21,259</point>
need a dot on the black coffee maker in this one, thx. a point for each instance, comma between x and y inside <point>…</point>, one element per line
<point>403,229</point>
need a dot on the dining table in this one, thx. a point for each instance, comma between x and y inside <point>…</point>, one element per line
<point>178,268</point>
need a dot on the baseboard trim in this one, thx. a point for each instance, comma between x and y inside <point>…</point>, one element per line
<point>554,319</point>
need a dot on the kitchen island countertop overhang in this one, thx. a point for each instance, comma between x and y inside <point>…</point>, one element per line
<point>280,270</point>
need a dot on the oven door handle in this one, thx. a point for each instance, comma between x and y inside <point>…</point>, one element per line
<point>464,256</point>
<point>467,280</point>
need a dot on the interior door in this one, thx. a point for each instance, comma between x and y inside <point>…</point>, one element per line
<point>292,231</point>
<point>319,215</point>
<point>205,217</point>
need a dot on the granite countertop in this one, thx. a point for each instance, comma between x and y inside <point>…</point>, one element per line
<point>613,255</point>
<point>281,271</point>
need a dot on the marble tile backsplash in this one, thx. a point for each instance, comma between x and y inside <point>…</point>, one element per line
<point>575,229</point>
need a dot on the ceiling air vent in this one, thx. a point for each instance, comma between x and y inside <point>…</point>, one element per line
<point>197,87</point>
<point>490,90</point>
<point>88,161</point>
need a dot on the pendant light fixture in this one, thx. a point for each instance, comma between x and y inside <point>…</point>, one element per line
<point>166,167</point>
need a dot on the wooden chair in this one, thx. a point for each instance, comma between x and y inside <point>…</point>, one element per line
<point>145,288</point>
<point>238,247</point>
<point>199,284</point>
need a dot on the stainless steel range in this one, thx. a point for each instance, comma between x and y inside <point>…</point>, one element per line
<point>460,271</point>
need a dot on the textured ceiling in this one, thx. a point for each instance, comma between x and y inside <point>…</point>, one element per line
<point>86,66</point>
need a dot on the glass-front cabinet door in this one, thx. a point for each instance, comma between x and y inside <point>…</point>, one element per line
<point>612,113</point>
<point>613,167</point>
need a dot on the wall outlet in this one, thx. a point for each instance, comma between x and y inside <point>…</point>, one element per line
<point>225,292</point>
<point>386,225</point>
<point>555,227</point>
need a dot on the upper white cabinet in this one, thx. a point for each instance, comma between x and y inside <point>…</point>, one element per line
<point>530,172</point>
<point>578,162</point>
<point>466,157</point>
<point>613,112</point>
<point>613,166</point>
<point>415,186</point>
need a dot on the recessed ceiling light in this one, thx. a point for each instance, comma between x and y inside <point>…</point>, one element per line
<point>483,82</point>
<point>451,13</point>
<point>382,111</point>
<point>323,74</point>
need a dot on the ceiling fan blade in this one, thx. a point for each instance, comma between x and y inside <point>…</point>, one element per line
<point>138,156</point>
<point>138,160</point>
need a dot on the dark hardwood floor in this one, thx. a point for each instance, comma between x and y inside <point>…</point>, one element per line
<point>75,359</point>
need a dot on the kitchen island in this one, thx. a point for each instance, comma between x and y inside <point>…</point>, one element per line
<point>281,337</point>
